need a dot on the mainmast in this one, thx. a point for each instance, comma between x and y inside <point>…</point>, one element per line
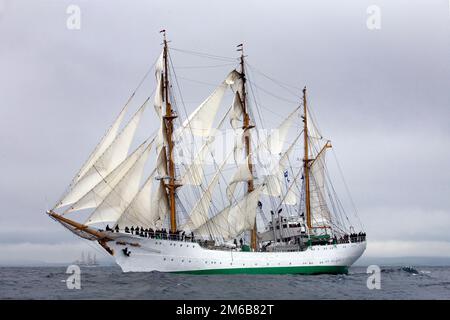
<point>168,118</point>
<point>247,140</point>
<point>306,162</point>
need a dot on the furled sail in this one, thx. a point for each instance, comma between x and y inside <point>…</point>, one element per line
<point>320,214</point>
<point>107,162</point>
<point>233,220</point>
<point>98,193</point>
<point>120,197</point>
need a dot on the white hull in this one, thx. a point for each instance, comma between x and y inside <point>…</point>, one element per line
<point>190,257</point>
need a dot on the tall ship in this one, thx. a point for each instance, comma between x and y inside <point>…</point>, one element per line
<point>213,191</point>
<point>88,260</point>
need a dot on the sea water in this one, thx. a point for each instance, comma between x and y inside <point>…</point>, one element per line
<point>110,283</point>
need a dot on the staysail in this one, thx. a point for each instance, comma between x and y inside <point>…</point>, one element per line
<point>268,149</point>
<point>273,179</point>
<point>114,154</point>
<point>149,207</point>
<point>233,220</point>
<point>104,143</point>
<point>320,214</point>
<point>120,197</point>
<point>199,213</point>
<point>98,193</point>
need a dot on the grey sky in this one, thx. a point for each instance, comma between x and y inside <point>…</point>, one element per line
<point>382,96</point>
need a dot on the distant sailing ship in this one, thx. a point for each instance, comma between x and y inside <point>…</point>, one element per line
<point>87,261</point>
<point>262,208</point>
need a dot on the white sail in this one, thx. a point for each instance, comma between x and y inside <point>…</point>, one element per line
<point>104,143</point>
<point>121,196</point>
<point>199,213</point>
<point>237,112</point>
<point>106,163</point>
<point>238,146</point>
<point>137,213</point>
<point>273,179</point>
<point>276,140</point>
<point>200,121</point>
<point>290,198</point>
<point>161,145</point>
<point>160,207</point>
<point>236,122</point>
<point>161,138</point>
<point>98,193</point>
<point>194,173</point>
<point>241,174</point>
<point>148,209</point>
<point>234,80</point>
<point>272,145</point>
<point>158,100</point>
<point>233,220</point>
<point>320,214</point>
<point>161,163</point>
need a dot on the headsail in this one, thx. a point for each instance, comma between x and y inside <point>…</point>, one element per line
<point>123,193</point>
<point>109,160</point>
<point>98,193</point>
<point>104,143</point>
<point>149,208</point>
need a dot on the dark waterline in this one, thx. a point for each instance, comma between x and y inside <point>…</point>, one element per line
<point>111,283</point>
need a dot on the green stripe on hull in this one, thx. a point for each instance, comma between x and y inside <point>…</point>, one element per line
<point>273,270</point>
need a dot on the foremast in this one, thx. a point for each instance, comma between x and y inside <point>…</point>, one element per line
<point>168,118</point>
<point>247,138</point>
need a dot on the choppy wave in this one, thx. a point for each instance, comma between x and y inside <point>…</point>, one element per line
<point>401,282</point>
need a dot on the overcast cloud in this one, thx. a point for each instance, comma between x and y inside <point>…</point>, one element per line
<point>382,96</point>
